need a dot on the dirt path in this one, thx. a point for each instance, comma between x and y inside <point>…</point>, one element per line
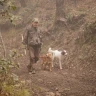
<point>65,80</point>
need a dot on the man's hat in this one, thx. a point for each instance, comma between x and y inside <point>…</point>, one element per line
<point>36,20</point>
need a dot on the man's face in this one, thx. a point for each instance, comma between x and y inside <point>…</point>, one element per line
<point>35,24</point>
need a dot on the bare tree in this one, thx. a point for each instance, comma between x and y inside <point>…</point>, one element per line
<point>23,3</point>
<point>3,44</point>
<point>75,3</point>
<point>60,17</point>
<point>60,13</point>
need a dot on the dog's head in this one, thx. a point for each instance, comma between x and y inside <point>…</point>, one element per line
<point>64,52</point>
<point>49,55</point>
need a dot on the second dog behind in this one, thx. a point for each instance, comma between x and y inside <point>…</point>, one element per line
<point>47,61</point>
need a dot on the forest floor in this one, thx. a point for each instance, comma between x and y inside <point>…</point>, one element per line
<point>66,81</point>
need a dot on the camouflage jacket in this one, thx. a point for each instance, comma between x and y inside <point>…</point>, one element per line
<point>32,36</point>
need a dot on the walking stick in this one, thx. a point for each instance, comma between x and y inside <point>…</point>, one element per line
<point>24,47</point>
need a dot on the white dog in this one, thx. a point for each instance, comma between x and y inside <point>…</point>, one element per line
<point>57,54</point>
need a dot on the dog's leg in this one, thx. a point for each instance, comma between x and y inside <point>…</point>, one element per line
<point>60,63</point>
<point>42,66</point>
<point>50,66</point>
<point>52,61</point>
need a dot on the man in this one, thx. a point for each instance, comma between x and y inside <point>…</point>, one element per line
<point>33,40</point>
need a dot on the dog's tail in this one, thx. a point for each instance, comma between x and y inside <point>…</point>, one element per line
<point>64,52</point>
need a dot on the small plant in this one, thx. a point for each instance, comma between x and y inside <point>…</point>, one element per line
<point>10,85</point>
<point>7,11</point>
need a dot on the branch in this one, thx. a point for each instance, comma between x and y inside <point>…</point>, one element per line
<point>3,44</point>
<point>22,41</point>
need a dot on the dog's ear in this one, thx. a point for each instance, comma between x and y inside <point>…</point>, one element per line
<point>49,48</point>
<point>63,53</point>
<point>47,54</point>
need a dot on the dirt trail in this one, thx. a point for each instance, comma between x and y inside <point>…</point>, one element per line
<point>65,80</point>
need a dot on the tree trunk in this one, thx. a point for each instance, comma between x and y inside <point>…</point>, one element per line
<point>75,2</point>
<point>3,44</point>
<point>60,17</point>
<point>60,13</point>
<point>23,3</point>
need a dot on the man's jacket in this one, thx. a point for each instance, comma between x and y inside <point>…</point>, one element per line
<point>32,36</point>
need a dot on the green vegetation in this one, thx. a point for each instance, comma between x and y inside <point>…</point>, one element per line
<point>10,85</point>
<point>7,11</point>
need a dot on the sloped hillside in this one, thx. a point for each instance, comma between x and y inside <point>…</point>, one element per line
<point>78,38</point>
<point>77,35</point>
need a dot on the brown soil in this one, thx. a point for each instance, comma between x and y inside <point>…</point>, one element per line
<point>76,78</point>
<point>68,82</point>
